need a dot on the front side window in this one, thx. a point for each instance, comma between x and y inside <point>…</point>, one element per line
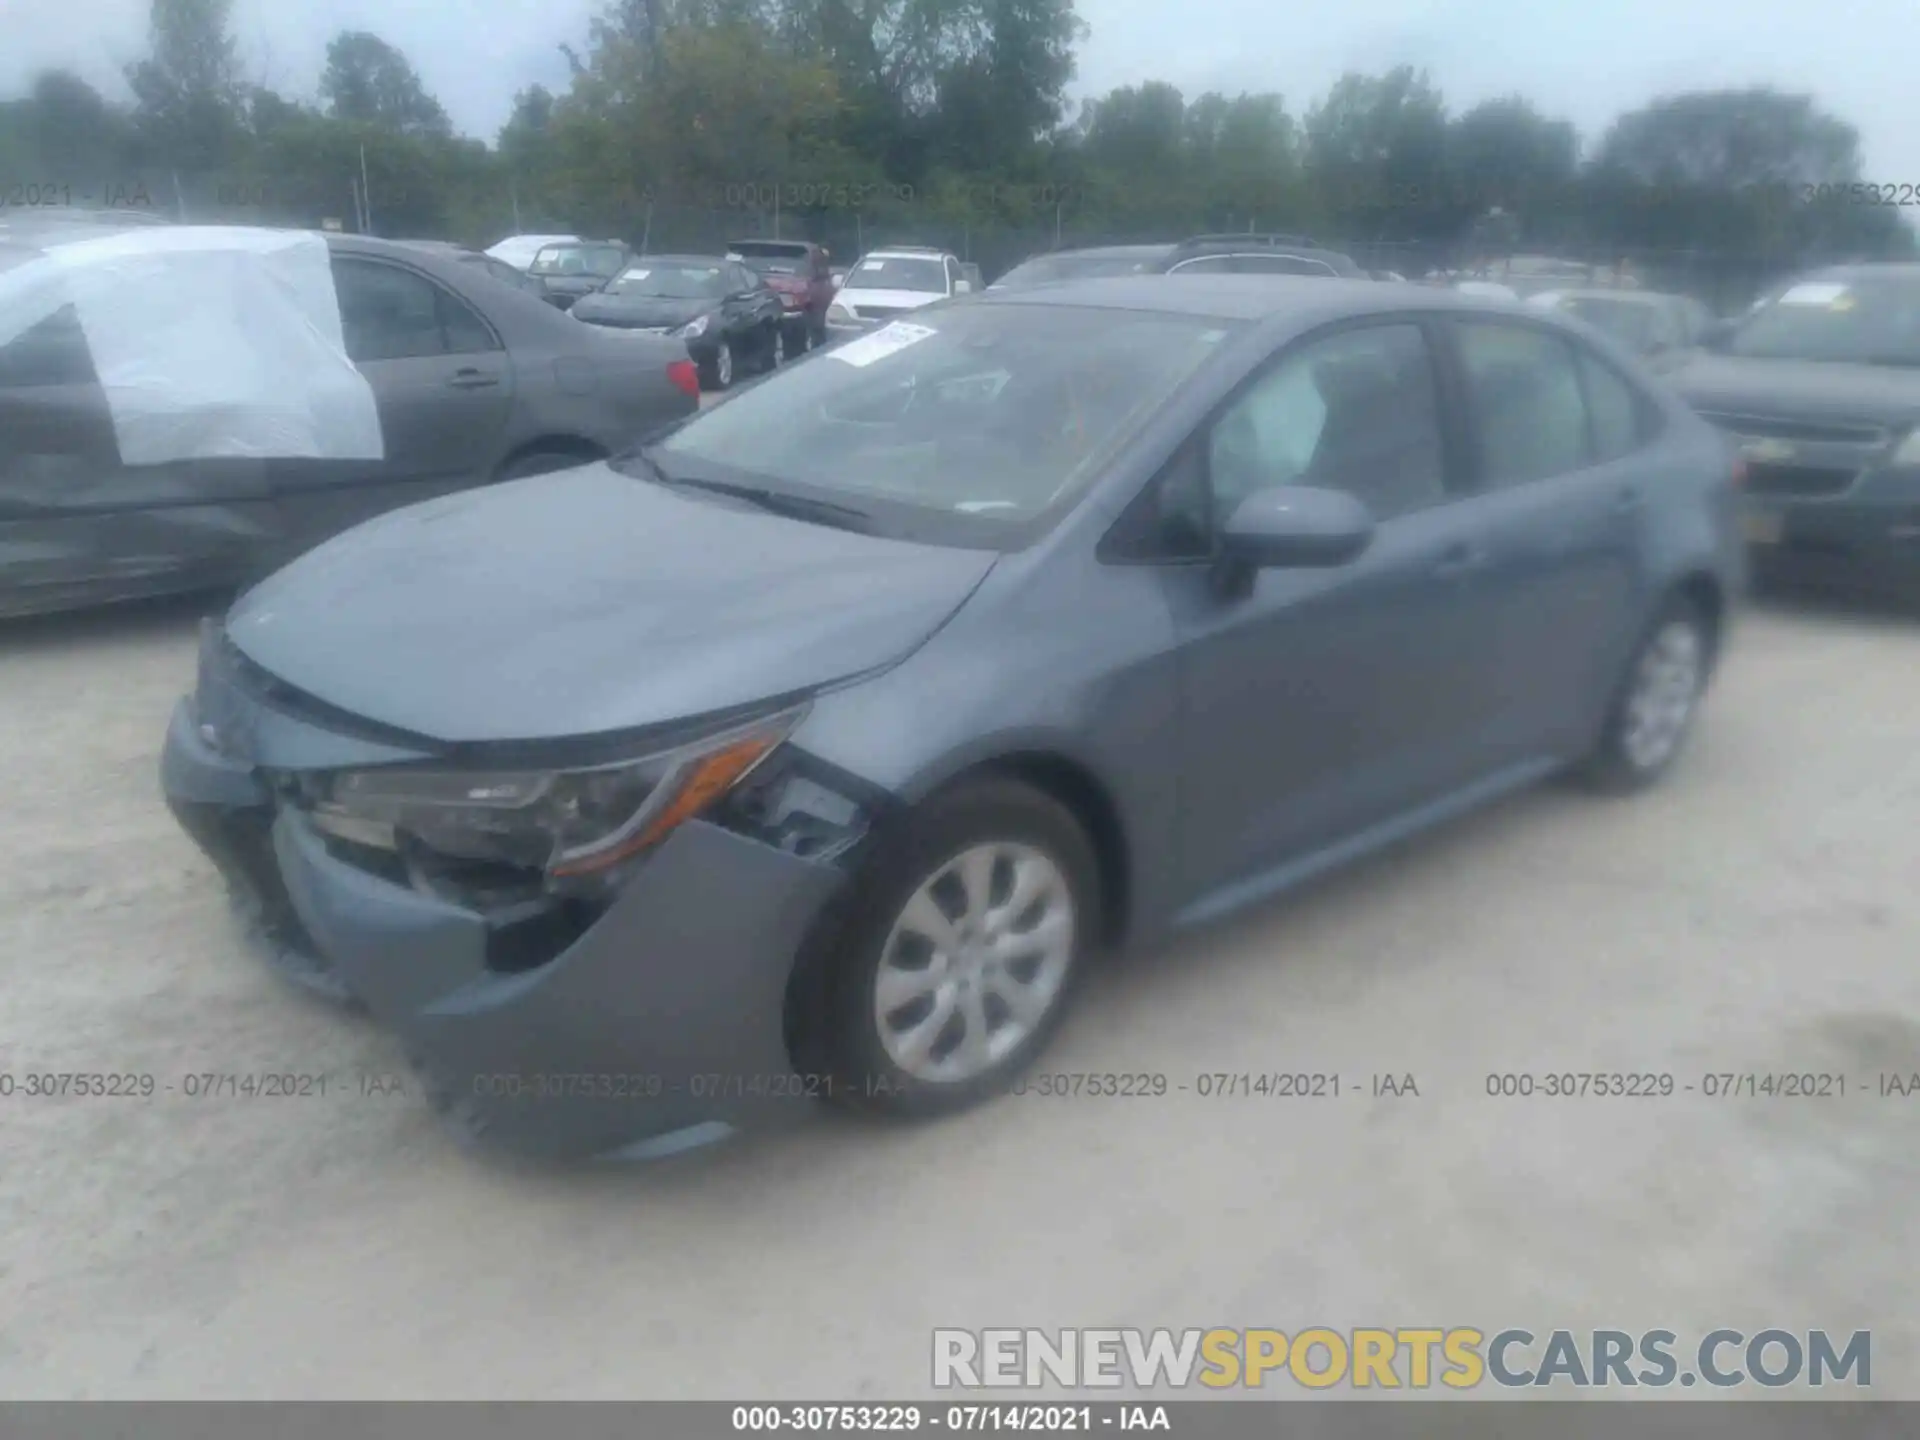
<point>1355,411</point>
<point>1524,386</point>
<point>1615,411</point>
<point>963,424</point>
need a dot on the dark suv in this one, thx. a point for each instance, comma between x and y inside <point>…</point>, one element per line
<point>799,273</point>
<point>1258,255</point>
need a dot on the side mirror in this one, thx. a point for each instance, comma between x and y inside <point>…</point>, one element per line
<point>838,281</point>
<point>1297,527</point>
<point>962,287</point>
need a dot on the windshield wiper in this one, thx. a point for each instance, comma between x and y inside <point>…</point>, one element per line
<point>777,502</point>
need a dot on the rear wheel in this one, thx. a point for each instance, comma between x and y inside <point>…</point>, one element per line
<point>962,953</point>
<point>1653,712</point>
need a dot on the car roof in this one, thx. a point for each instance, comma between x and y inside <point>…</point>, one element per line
<point>1868,270</point>
<point>1117,252</point>
<point>1631,297</point>
<point>907,252</point>
<point>714,261</point>
<point>1248,297</point>
<point>793,247</point>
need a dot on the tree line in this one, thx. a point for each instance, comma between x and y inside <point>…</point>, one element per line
<point>849,120</point>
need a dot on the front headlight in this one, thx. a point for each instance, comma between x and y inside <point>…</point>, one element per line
<point>841,313</point>
<point>567,823</point>
<point>1908,451</point>
<point>693,329</point>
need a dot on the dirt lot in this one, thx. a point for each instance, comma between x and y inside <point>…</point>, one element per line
<point>1760,914</point>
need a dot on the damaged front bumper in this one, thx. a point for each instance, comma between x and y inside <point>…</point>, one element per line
<point>651,1026</point>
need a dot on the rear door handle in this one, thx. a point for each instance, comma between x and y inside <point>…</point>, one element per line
<point>471,379</point>
<point>1461,559</point>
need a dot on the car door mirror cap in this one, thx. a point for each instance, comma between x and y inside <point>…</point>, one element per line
<point>1297,527</point>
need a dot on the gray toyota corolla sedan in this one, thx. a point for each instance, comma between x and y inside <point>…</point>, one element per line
<point>816,749</point>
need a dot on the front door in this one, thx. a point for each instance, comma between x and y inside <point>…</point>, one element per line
<point>1327,701</point>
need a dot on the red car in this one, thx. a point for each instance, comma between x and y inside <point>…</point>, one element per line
<point>798,271</point>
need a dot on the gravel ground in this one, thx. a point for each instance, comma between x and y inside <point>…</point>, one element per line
<point>1757,914</point>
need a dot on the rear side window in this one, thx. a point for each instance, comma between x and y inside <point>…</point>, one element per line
<point>1617,414</point>
<point>387,313</point>
<point>54,352</point>
<point>1524,384</point>
<point>1281,265</point>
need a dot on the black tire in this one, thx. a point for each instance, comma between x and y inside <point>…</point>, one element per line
<point>1615,766</point>
<point>770,349</point>
<point>539,462</point>
<point>850,1048</point>
<point>796,340</point>
<point>719,372</point>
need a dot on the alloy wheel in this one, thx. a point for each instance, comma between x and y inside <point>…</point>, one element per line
<point>723,366</point>
<point>1666,687</point>
<point>975,963</point>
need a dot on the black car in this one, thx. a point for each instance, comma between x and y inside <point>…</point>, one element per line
<point>573,268</point>
<point>1819,385</point>
<point>1658,328</point>
<point>728,315</point>
<point>1268,254</point>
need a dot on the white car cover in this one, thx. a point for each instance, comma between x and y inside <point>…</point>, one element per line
<point>210,341</point>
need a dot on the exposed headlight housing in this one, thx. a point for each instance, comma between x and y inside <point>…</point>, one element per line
<point>565,823</point>
<point>693,329</point>
<point>1907,452</point>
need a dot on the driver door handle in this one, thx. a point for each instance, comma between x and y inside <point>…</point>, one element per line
<point>469,378</point>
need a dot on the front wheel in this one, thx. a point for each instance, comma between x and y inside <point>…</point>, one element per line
<point>963,951</point>
<point>719,370</point>
<point>1653,712</point>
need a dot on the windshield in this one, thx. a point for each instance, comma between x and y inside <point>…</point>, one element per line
<point>1050,268</point>
<point>603,260</point>
<point>670,282</point>
<point>992,415</point>
<point>896,272</point>
<point>772,260</point>
<point>1867,321</point>
<point>1630,324</point>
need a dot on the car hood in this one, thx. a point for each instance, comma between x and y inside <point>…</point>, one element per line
<point>1800,389</point>
<point>892,299</point>
<point>587,602</point>
<point>572,284</point>
<point>609,309</point>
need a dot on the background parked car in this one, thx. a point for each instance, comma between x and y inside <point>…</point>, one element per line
<point>1229,254</point>
<point>896,281</point>
<point>487,264</point>
<point>578,267</point>
<point>1819,386</point>
<point>473,382</point>
<point>519,250</point>
<point>797,271</point>
<point>728,316</point>
<point>1085,264</point>
<point>1659,328</point>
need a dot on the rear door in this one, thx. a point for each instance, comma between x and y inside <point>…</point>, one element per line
<point>444,386</point>
<point>1554,432</point>
<point>72,517</point>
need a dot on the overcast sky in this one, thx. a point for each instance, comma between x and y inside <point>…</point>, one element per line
<point>1584,60</point>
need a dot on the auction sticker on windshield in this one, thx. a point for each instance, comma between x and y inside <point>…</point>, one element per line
<point>880,344</point>
<point>1814,293</point>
